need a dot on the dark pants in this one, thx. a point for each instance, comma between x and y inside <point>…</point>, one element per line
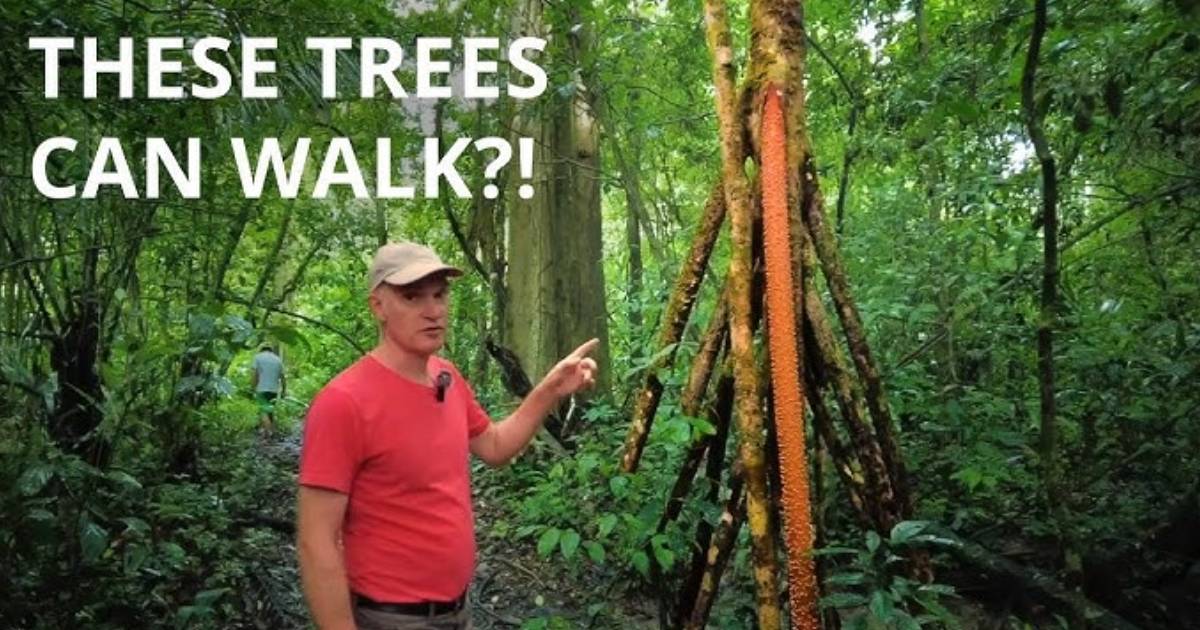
<point>369,619</point>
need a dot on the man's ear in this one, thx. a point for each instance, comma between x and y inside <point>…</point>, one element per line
<point>375,303</point>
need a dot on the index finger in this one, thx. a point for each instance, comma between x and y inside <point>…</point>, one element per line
<point>583,350</point>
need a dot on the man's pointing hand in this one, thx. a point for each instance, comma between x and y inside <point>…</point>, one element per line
<point>575,372</point>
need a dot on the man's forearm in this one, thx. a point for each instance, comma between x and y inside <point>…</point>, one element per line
<point>323,574</point>
<point>515,431</point>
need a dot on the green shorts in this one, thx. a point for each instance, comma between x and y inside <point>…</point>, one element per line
<point>266,401</point>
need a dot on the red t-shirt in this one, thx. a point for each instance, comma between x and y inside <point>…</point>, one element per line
<point>409,531</point>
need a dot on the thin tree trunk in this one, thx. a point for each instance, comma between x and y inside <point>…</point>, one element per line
<point>860,352</point>
<point>1048,442</point>
<point>1170,304</point>
<point>749,411</point>
<point>922,28</point>
<point>675,318</point>
<point>236,230</point>
<point>847,162</point>
<point>716,556</point>
<point>633,236</point>
<point>270,265</point>
<point>715,340</point>
<point>825,355</point>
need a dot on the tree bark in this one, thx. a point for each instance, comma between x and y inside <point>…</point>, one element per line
<point>860,352</point>
<point>847,162</point>
<point>633,237</point>
<point>829,365</point>
<point>748,404</point>
<point>1047,320</point>
<point>675,318</point>
<point>555,274</point>
<point>698,603</point>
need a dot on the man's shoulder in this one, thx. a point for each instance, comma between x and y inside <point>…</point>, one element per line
<point>344,391</point>
<point>267,357</point>
<point>351,379</point>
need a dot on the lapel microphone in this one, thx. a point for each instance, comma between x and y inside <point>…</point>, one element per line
<point>443,383</point>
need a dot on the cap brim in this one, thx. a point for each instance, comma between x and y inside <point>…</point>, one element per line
<point>418,272</point>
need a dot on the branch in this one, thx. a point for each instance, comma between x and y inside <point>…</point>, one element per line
<point>40,335</point>
<point>304,318</point>
<point>850,90</point>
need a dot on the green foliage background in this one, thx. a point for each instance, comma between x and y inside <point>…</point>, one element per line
<point>170,512</point>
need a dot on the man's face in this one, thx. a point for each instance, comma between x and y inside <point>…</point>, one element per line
<point>414,316</point>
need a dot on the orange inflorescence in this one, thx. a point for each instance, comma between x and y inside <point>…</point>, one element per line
<point>786,385</point>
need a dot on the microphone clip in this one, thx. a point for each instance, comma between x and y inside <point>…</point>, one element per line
<point>442,383</point>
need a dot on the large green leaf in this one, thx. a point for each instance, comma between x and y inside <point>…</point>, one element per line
<point>548,540</point>
<point>34,479</point>
<point>93,539</point>
<point>568,543</point>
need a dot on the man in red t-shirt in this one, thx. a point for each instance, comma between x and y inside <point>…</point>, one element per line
<point>386,533</point>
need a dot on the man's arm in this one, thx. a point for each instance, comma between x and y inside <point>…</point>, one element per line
<point>503,440</point>
<point>322,570</point>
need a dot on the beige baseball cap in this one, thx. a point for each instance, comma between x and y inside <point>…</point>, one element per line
<point>405,263</point>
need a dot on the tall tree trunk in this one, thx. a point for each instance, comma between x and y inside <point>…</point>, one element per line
<point>1048,443</point>
<point>777,66</point>
<point>847,162</point>
<point>741,333</point>
<point>922,28</point>
<point>555,272</point>
<point>633,237</point>
<point>74,357</point>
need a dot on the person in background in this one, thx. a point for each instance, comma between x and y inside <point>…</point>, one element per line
<point>385,527</point>
<point>269,383</point>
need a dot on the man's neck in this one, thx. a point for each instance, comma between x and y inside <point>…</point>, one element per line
<point>407,364</point>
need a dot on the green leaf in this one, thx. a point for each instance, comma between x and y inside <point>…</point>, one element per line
<point>606,524</point>
<point>205,599</point>
<point>940,589</point>
<point>619,485</point>
<point>34,479</point>
<point>595,551</point>
<point>903,532</point>
<point>904,621</point>
<point>834,551</point>
<point>847,579</point>
<point>939,541</point>
<point>93,540</point>
<point>873,541</point>
<point>641,562</point>
<point>663,555</point>
<point>930,603</point>
<point>136,525</point>
<point>700,426</point>
<point>288,335</point>
<point>881,606</point>
<point>135,557</point>
<point>124,479</point>
<point>842,600</point>
<point>547,541</point>
<point>568,543</point>
<point>39,514</point>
